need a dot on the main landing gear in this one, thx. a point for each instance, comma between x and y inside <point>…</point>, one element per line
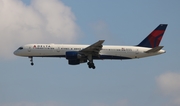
<point>90,63</point>
<point>31,60</point>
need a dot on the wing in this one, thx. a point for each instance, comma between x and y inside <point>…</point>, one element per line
<point>93,49</point>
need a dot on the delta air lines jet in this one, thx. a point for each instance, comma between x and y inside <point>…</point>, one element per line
<point>76,54</point>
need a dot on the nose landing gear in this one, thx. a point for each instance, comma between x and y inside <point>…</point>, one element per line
<point>31,60</point>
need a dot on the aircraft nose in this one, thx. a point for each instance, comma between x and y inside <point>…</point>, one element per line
<point>15,52</point>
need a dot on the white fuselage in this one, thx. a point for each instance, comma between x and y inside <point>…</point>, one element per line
<point>77,54</point>
<point>107,51</point>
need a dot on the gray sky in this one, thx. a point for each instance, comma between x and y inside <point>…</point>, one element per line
<point>152,81</point>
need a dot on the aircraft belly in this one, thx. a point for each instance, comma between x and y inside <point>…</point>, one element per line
<point>44,53</point>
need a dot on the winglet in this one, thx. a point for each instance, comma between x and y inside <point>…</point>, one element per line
<point>153,50</point>
<point>154,38</point>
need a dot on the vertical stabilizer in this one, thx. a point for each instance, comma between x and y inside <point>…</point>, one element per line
<point>154,38</point>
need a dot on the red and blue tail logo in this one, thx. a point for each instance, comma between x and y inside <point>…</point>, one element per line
<point>154,38</point>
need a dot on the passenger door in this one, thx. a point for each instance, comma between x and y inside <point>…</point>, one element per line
<point>29,49</point>
<point>58,49</point>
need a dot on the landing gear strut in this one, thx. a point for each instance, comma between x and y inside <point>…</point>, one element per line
<point>31,60</point>
<point>90,63</point>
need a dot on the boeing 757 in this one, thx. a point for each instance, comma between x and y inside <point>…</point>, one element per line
<point>77,54</point>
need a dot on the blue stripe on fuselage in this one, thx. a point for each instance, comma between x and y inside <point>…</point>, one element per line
<point>94,57</point>
<point>110,57</point>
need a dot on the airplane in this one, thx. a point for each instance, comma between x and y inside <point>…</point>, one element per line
<point>77,54</point>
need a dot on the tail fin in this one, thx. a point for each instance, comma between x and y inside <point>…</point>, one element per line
<point>154,38</point>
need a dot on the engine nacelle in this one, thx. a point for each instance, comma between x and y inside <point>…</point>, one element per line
<point>74,61</point>
<point>73,55</point>
<point>74,58</point>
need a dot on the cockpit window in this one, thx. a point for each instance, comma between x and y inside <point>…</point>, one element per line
<point>20,48</point>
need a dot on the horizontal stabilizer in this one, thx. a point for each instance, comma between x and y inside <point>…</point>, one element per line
<point>153,50</point>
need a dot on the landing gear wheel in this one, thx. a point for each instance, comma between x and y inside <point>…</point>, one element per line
<point>31,60</point>
<point>91,65</point>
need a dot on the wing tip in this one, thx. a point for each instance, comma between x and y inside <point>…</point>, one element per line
<point>101,40</point>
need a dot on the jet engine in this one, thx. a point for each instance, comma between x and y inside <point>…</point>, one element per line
<point>74,58</point>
